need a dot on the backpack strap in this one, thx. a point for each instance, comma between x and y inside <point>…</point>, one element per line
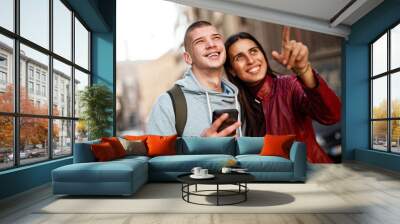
<point>180,108</point>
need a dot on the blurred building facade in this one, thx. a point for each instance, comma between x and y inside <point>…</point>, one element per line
<point>325,50</point>
<point>34,81</point>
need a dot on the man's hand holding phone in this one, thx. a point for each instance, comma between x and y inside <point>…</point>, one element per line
<point>221,120</point>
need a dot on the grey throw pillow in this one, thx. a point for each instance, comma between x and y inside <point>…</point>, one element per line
<point>134,147</point>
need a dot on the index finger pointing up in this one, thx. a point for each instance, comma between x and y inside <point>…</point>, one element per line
<point>285,35</point>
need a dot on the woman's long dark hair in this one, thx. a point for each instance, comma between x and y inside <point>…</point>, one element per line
<point>252,112</point>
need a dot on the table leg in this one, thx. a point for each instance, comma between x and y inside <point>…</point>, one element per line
<point>245,191</point>
<point>182,190</point>
<point>217,194</point>
<point>188,190</point>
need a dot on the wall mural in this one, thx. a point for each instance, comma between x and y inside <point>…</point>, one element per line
<point>149,59</point>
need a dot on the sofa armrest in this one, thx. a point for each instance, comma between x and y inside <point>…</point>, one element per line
<point>298,156</point>
<point>83,152</point>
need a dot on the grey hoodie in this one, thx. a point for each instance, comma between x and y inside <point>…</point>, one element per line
<point>201,102</point>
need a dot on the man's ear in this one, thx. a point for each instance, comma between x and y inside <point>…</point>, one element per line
<point>187,58</point>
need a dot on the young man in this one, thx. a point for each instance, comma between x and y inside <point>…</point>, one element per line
<point>202,86</point>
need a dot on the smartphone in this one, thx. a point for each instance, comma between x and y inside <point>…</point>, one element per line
<point>233,117</point>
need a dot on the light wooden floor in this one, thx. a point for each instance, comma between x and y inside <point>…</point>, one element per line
<point>378,188</point>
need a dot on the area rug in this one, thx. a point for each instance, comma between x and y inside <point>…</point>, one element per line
<point>167,198</point>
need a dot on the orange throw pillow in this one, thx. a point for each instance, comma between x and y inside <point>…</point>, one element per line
<point>116,145</point>
<point>103,152</point>
<point>277,145</point>
<point>135,138</point>
<point>161,145</point>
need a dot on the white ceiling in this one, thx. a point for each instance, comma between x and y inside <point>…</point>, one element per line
<point>315,15</point>
<point>320,9</point>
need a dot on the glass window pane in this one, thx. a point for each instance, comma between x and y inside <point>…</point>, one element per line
<point>62,89</point>
<point>395,135</point>
<point>62,138</point>
<point>379,97</point>
<point>395,47</point>
<point>395,94</point>
<point>35,21</point>
<point>81,131</point>
<point>6,142</point>
<point>62,29</point>
<point>81,81</point>
<point>81,45</point>
<point>379,135</point>
<point>6,74</point>
<point>34,97</point>
<point>379,55</point>
<point>33,140</point>
<point>7,14</point>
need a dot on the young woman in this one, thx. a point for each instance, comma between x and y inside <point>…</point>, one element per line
<point>276,104</point>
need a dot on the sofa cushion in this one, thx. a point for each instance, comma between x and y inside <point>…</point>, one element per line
<point>103,151</point>
<point>161,145</point>
<point>116,145</point>
<point>257,163</point>
<point>277,145</point>
<point>129,159</point>
<point>249,145</point>
<point>185,163</point>
<point>134,147</point>
<point>206,145</point>
<point>135,137</point>
<point>112,171</point>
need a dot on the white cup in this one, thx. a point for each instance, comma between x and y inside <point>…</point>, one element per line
<point>196,170</point>
<point>226,170</point>
<point>203,172</point>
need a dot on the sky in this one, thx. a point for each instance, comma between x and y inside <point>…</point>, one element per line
<point>145,29</point>
<point>379,59</point>
<point>35,27</point>
<point>395,45</point>
<point>6,14</point>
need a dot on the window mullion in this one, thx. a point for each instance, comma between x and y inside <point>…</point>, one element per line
<point>50,81</point>
<point>389,106</point>
<point>73,82</point>
<point>16,84</point>
<point>371,89</point>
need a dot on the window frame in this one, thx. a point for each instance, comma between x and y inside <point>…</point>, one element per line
<point>16,114</point>
<point>388,74</point>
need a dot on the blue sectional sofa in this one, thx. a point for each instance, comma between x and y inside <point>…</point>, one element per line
<point>125,176</point>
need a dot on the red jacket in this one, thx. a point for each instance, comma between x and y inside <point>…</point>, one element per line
<point>290,107</point>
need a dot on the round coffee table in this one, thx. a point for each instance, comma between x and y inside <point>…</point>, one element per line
<point>238,179</point>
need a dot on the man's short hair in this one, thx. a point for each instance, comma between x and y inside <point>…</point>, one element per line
<point>193,26</point>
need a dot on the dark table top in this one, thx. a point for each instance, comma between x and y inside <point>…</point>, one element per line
<point>220,178</point>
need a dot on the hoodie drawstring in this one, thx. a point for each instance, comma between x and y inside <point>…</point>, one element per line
<point>239,115</point>
<point>209,107</point>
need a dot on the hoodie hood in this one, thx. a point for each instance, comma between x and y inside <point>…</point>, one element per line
<point>193,90</point>
<point>191,84</point>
